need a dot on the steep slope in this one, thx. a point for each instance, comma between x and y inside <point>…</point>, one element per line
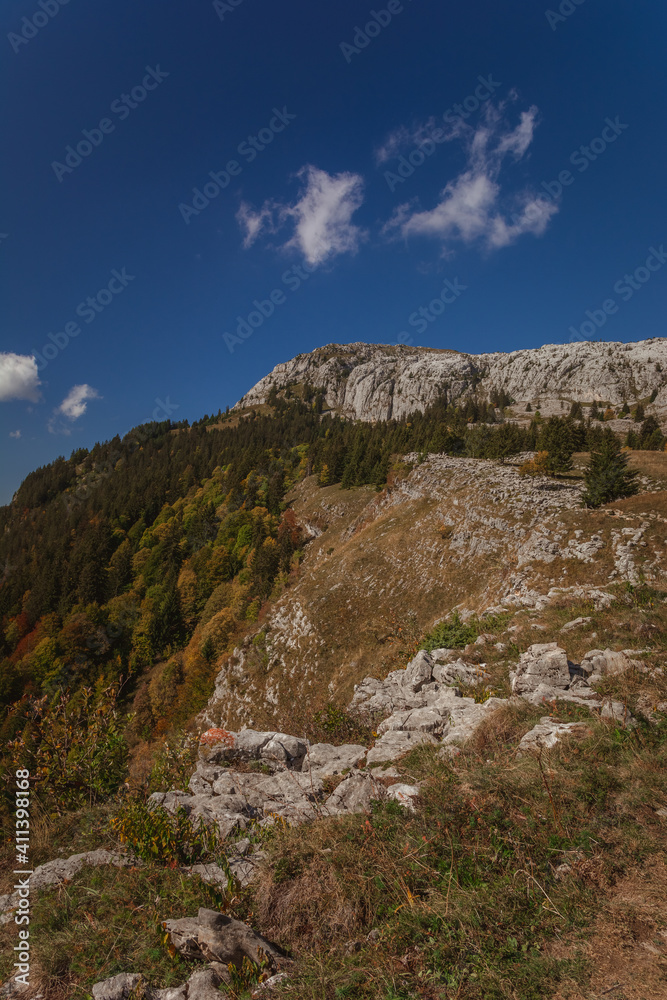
<point>376,382</point>
<point>382,568</point>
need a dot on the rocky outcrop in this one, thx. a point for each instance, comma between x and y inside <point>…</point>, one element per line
<point>61,870</point>
<point>202,985</point>
<point>376,382</point>
<point>548,733</point>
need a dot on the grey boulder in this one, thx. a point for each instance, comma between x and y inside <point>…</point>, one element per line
<point>543,664</point>
<point>214,937</point>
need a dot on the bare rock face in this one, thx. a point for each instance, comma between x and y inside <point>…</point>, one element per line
<point>376,382</point>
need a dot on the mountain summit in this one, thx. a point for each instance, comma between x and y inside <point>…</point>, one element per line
<point>379,381</point>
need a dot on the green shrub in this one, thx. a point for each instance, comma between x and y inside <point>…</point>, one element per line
<point>153,834</point>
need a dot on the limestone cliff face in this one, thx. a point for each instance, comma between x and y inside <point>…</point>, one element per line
<point>376,382</point>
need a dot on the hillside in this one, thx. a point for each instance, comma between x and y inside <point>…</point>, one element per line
<point>375,708</point>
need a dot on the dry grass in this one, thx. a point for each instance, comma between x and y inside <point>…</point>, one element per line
<point>469,896</point>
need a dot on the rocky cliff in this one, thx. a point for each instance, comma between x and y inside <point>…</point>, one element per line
<point>377,382</point>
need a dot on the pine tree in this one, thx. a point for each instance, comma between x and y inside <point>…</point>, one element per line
<point>607,476</point>
<point>557,439</point>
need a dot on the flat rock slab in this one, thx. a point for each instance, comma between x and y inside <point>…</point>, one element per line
<point>548,733</point>
<point>395,743</point>
<point>326,760</point>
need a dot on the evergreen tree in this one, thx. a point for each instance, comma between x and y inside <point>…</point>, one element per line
<point>607,476</point>
<point>557,438</point>
<point>651,437</point>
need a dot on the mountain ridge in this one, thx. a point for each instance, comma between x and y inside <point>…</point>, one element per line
<point>373,382</point>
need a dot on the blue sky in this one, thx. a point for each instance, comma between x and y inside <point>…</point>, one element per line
<point>306,121</point>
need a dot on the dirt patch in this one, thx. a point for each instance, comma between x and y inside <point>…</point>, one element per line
<point>627,947</point>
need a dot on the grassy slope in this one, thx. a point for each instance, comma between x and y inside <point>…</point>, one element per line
<point>466,895</point>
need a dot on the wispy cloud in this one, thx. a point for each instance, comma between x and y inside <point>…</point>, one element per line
<point>403,138</point>
<point>15,434</point>
<point>472,207</point>
<point>321,217</point>
<point>19,377</point>
<point>73,406</point>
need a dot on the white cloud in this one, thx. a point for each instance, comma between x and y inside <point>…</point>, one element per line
<point>322,216</point>
<point>470,207</point>
<point>252,223</point>
<point>15,434</point>
<point>73,406</point>
<point>19,377</point>
<point>403,138</point>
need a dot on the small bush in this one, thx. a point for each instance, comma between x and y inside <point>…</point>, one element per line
<point>456,634</point>
<point>153,834</point>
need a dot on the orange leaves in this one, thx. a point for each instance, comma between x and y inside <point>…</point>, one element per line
<point>214,736</point>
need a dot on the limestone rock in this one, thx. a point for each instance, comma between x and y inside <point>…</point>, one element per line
<point>324,759</point>
<point>426,720</point>
<point>354,794</point>
<point>202,985</point>
<point>405,794</point>
<point>548,733</point>
<point>215,937</point>
<point>575,623</point>
<point>418,671</point>
<point>375,381</point>
<point>460,672</point>
<point>118,987</point>
<point>542,664</point>
<point>275,750</point>
<point>599,663</point>
<point>395,743</point>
